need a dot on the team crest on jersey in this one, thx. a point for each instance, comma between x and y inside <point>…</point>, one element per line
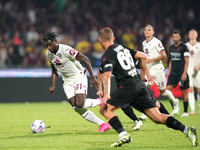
<point>160,45</point>
<point>51,57</point>
<point>59,55</point>
<point>104,58</point>
<point>191,52</point>
<point>72,52</point>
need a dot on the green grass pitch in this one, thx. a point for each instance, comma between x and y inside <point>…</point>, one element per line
<point>69,131</point>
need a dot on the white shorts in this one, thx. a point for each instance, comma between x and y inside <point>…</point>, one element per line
<point>77,87</point>
<point>160,75</point>
<point>194,82</point>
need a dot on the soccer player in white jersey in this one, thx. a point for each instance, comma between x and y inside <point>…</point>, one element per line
<point>155,53</point>
<point>65,59</point>
<point>193,69</point>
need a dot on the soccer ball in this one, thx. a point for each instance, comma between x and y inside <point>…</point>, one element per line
<point>38,126</point>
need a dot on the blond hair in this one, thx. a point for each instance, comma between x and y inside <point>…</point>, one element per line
<point>193,30</point>
<point>106,34</point>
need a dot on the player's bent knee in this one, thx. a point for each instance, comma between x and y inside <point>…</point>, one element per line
<point>158,120</point>
<point>103,109</point>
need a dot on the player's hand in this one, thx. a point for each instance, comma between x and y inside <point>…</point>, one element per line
<point>94,83</point>
<point>183,77</point>
<point>105,99</point>
<point>196,68</point>
<point>51,89</point>
<point>149,61</point>
<point>151,79</point>
<point>100,92</point>
<point>144,78</point>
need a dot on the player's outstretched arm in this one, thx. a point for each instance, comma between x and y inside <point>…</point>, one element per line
<point>86,62</point>
<point>54,78</point>
<point>143,61</point>
<point>169,70</point>
<point>161,57</point>
<point>99,79</point>
<point>106,86</point>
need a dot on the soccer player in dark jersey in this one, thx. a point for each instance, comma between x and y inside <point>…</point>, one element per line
<point>131,90</point>
<point>178,64</point>
<point>128,110</point>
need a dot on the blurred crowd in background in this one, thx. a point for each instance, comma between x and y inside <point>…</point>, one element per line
<point>77,22</point>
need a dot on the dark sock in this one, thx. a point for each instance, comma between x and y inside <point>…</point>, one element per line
<point>185,104</point>
<point>116,124</point>
<point>129,112</point>
<point>163,109</point>
<point>171,122</point>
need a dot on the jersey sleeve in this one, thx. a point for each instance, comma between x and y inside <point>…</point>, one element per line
<point>159,46</point>
<point>70,53</point>
<point>186,51</point>
<point>106,66</point>
<point>108,62</point>
<point>133,52</point>
<point>47,55</point>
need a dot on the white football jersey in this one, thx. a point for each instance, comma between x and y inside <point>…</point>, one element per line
<point>194,57</point>
<point>152,50</point>
<point>65,62</point>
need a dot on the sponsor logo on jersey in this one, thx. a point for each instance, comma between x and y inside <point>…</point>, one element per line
<point>72,52</point>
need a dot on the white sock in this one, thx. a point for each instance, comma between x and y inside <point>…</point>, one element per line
<point>89,116</point>
<point>198,97</point>
<point>186,130</point>
<point>123,133</point>
<point>91,102</point>
<point>191,101</point>
<point>170,96</point>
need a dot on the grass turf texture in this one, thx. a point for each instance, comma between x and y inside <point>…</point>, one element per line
<point>69,131</point>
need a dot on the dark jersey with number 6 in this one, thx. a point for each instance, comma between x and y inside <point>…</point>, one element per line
<point>119,60</point>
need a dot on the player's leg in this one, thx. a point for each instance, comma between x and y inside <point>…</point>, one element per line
<point>184,88</point>
<point>171,122</point>
<point>129,112</point>
<point>77,103</point>
<point>191,100</point>
<point>89,102</point>
<point>172,99</point>
<point>162,108</point>
<point>185,103</point>
<point>171,83</point>
<point>191,97</point>
<point>197,85</point>
<point>198,98</point>
<point>167,93</point>
<point>107,111</point>
<point>76,94</point>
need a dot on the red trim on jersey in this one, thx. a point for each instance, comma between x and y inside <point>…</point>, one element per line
<point>84,71</point>
<point>77,55</point>
<point>162,49</point>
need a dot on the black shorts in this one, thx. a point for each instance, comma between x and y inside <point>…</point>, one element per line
<point>173,79</point>
<point>134,93</point>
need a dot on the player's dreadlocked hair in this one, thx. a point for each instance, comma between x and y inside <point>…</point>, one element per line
<point>49,36</point>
